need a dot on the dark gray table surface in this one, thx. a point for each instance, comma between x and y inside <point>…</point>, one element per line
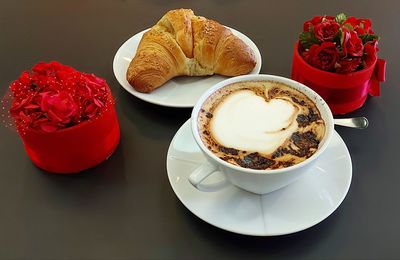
<point>125,208</point>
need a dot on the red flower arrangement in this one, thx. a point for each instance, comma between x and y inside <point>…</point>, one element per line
<point>54,96</point>
<point>66,119</point>
<point>336,56</point>
<point>338,44</point>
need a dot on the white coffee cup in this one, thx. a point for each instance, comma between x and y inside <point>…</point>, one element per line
<point>256,181</point>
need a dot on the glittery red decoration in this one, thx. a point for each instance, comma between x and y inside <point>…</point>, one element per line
<point>54,96</point>
<point>66,119</point>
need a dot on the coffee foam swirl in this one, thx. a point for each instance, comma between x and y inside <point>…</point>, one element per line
<point>248,122</point>
<point>260,125</point>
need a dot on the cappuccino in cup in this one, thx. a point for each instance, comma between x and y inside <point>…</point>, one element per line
<point>260,125</point>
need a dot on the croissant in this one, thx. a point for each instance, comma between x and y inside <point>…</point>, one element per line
<point>182,43</point>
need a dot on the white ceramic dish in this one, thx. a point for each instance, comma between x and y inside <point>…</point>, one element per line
<point>296,207</point>
<point>179,91</point>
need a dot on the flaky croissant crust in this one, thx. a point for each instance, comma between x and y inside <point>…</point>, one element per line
<point>182,43</point>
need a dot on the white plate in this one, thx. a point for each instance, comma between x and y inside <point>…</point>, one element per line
<point>179,91</point>
<point>296,207</point>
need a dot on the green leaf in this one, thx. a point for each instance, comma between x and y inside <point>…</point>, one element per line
<point>349,27</point>
<point>307,39</point>
<point>340,18</point>
<point>368,37</point>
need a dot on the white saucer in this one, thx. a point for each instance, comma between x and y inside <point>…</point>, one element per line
<point>177,92</point>
<point>296,207</point>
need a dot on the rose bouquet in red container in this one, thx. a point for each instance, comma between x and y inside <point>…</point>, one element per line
<point>66,119</point>
<point>337,57</point>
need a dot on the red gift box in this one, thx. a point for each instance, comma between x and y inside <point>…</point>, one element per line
<point>343,92</point>
<point>65,118</point>
<point>76,148</point>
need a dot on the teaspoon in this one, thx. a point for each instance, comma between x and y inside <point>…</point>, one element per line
<point>355,122</point>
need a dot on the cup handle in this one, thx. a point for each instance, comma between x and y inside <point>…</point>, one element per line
<point>201,173</point>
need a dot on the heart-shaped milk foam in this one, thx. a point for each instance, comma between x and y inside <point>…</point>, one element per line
<point>247,122</point>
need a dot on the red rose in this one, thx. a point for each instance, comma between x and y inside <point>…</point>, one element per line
<point>25,118</point>
<point>348,65</point>
<point>352,44</point>
<point>314,21</point>
<point>365,25</point>
<point>370,53</point>
<point>361,26</point>
<point>45,125</point>
<point>352,21</point>
<point>309,54</point>
<point>325,56</point>
<point>24,79</point>
<point>18,105</point>
<point>94,81</point>
<point>60,107</point>
<point>311,23</point>
<point>92,108</point>
<point>50,68</point>
<point>327,30</point>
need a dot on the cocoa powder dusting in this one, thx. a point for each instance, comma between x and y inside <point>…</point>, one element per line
<point>298,147</point>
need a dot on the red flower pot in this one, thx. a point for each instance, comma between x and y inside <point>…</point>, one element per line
<point>343,92</point>
<point>76,148</point>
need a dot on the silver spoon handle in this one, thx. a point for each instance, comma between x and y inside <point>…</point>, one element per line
<point>355,122</point>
